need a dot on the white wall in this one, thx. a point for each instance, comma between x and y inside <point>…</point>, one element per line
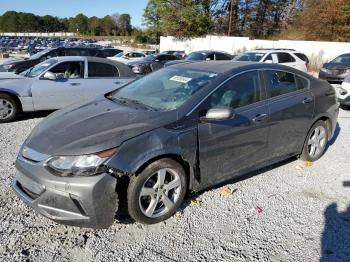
<point>318,52</point>
<point>59,34</point>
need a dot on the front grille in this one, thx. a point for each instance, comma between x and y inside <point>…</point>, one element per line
<point>337,71</point>
<point>31,194</point>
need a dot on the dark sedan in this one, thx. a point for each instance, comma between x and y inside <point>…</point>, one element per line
<point>151,63</point>
<point>336,70</point>
<point>19,65</point>
<point>203,56</point>
<point>183,128</point>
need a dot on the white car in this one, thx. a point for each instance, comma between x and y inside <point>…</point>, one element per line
<point>288,57</point>
<point>343,92</point>
<point>126,57</point>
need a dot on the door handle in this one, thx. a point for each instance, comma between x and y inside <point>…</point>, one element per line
<point>307,100</point>
<point>74,84</point>
<point>259,118</point>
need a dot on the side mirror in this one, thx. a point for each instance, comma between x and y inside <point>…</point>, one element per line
<point>157,60</point>
<point>207,59</point>
<point>49,76</point>
<point>222,113</point>
<point>269,61</point>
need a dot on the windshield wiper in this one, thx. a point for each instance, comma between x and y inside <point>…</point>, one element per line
<point>125,100</point>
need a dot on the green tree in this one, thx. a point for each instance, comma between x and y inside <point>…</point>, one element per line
<point>79,24</point>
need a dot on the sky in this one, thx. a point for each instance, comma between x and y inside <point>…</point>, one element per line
<point>68,8</point>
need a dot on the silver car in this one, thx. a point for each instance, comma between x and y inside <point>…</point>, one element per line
<point>59,82</point>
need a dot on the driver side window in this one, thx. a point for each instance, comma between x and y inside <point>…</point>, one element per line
<point>240,91</point>
<point>69,70</point>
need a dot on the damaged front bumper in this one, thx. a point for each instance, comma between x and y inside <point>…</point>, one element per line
<point>78,201</point>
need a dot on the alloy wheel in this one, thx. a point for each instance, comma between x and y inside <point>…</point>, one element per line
<point>160,192</point>
<point>317,141</point>
<point>6,109</point>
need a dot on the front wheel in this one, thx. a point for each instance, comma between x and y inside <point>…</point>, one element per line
<point>8,108</point>
<point>316,142</point>
<point>156,193</point>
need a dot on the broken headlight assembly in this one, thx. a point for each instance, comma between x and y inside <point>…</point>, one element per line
<point>84,165</point>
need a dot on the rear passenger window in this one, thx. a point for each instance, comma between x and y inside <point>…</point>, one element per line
<point>102,70</point>
<point>78,52</point>
<point>302,82</point>
<point>302,57</point>
<point>240,91</point>
<point>285,58</point>
<point>280,82</point>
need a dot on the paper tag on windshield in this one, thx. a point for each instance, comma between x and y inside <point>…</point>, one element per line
<point>181,79</point>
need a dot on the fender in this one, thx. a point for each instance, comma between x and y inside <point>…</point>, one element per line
<point>134,153</point>
<point>5,90</point>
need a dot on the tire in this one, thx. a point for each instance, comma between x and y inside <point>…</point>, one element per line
<point>150,208</point>
<point>317,137</point>
<point>9,108</point>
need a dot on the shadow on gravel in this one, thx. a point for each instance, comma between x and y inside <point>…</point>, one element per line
<point>239,178</point>
<point>336,234</point>
<point>32,115</point>
<point>335,136</point>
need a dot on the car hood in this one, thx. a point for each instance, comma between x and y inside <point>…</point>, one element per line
<point>92,127</point>
<point>338,66</point>
<point>14,61</point>
<point>10,75</point>
<point>138,62</point>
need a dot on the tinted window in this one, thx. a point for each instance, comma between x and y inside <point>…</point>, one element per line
<point>196,56</point>
<point>52,54</point>
<point>220,56</point>
<point>280,82</point>
<point>269,57</point>
<point>102,70</point>
<point>240,91</point>
<point>249,56</point>
<point>69,70</point>
<point>302,57</point>
<point>211,57</point>
<point>78,52</point>
<point>285,58</point>
<point>302,82</point>
<point>342,59</point>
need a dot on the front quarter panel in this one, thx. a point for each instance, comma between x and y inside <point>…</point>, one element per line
<point>161,142</point>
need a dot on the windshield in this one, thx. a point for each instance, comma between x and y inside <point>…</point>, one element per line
<point>342,59</point>
<point>120,54</point>
<point>166,89</point>
<point>40,68</point>
<point>39,54</point>
<point>196,56</point>
<point>249,56</point>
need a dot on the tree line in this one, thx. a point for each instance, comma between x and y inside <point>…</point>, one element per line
<point>116,24</point>
<point>327,20</point>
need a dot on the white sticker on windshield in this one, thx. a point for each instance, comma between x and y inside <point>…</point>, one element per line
<point>46,64</point>
<point>181,79</point>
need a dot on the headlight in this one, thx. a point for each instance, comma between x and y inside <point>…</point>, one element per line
<point>85,165</point>
<point>136,69</point>
<point>325,70</point>
<point>8,66</point>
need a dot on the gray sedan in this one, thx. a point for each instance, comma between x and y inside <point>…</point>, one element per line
<point>59,82</point>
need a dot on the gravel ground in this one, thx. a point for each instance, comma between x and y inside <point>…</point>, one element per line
<point>288,212</point>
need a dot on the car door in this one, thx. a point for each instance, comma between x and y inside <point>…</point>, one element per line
<point>239,143</point>
<point>101,78</point>
<point>291,107</point>
<point>59,93</point>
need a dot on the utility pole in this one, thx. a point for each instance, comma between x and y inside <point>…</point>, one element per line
<point>230,20</point>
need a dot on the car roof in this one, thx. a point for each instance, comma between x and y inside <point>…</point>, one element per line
<point>210,51</point>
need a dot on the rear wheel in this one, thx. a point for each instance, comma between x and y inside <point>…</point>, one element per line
<point>156,193</point>
<point>316,142</point>
<point>8,108</point>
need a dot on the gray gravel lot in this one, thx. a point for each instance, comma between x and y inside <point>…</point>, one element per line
<point>304,215</point>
